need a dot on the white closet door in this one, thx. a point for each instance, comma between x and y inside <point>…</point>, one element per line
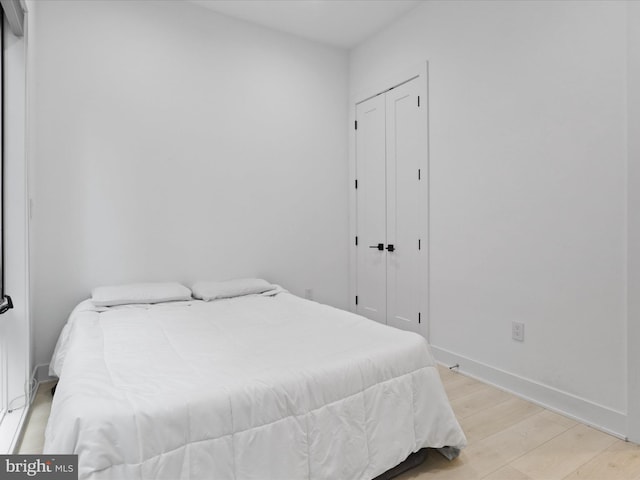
<point>406,131</point>
<point>371,209</point>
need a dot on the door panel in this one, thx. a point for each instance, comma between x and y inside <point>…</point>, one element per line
<point>371,208</point>
<point>406,147</point>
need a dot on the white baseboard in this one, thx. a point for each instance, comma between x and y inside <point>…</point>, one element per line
<point>598,416</point>
<point>11,430</point>
<point>41,373</point>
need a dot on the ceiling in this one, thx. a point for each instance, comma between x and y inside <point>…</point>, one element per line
<point>341,23</point>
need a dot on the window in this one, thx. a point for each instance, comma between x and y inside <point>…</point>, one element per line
<point>15,385</point>
<point>5,300</point>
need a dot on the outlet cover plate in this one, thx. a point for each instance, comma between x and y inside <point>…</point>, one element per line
<point>517,331</point>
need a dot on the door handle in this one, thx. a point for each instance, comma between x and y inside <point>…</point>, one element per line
<point>391,248</point>
<point>379,246</point>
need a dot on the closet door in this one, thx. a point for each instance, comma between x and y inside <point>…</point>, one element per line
<point>406,151</point>
<point>391,207</point>
<point>371,209</point>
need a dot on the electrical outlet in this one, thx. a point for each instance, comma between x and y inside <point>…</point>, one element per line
<point>517,331</point>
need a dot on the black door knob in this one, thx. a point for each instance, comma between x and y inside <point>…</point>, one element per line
<point>379,246</point>
<point>390,247</point>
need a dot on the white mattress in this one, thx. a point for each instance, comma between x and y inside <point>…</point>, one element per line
<point>254,387</point>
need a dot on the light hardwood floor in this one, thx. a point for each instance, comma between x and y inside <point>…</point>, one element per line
<point>33,433</point>
<point>509,439</point>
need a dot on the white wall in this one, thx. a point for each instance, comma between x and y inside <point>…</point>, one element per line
<point>171,142</point>
<point>527,189</point>
<point>633,213</point>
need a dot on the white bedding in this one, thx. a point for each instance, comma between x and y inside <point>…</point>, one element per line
<point>256,387</point>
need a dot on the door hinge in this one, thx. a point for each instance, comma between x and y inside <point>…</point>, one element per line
<point>419,318</point>
<point>356,184</point>
<point>356,124</point>
<point>418,100</point>
<point>419,174</point>
<point>356,299</point>
<point>419,243</point>
<point>356,241</point>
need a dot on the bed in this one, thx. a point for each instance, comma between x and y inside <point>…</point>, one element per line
<point>261,386</point>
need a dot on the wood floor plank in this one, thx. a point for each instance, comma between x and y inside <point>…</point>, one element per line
<point>561,419</point>
<point>495,418</point>
<point>506,473</point>
<point>490,454</point>
<point>563,454</point>
<point>479,399</point>
<point>460,385</point>
<point>621,461</point>
<point>32,441</point>
<point>498,450</point>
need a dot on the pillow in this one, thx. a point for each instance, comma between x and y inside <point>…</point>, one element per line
<point>231,288</point>
<point>139,293</point>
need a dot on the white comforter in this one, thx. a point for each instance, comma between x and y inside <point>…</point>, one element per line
<point>254,387</point>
